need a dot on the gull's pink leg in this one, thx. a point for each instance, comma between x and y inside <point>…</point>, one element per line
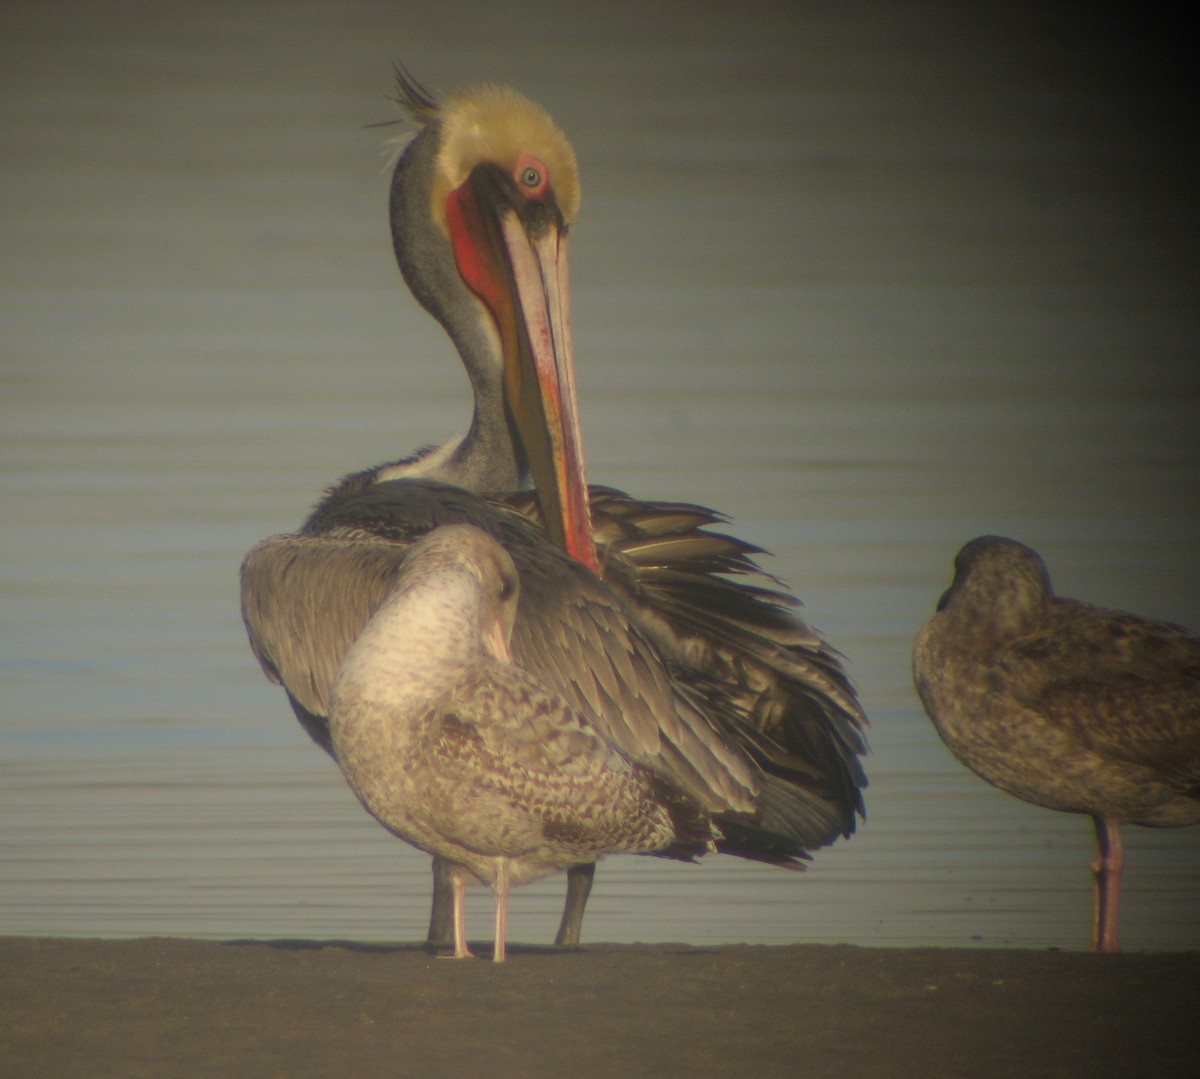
<point>500,888</point>
<point>1107,869</point>
<point>461,951</point>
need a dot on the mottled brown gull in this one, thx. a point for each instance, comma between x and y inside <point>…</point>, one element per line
<point>1063,704</point>
<point>463,754</point>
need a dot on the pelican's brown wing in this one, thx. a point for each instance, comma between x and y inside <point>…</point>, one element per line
<point>734,638</point>
<point>304,601</point>
<point>574,634</point>
<point>305,598</point>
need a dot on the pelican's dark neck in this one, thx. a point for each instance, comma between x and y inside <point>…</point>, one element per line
<point>488,459</point>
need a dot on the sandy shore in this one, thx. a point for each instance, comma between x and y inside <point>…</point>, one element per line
<point>174,1007</point>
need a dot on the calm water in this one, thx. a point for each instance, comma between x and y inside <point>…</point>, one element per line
<point>872,288</point>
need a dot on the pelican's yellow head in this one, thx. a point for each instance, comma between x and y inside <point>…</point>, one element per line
<point>497,125</point>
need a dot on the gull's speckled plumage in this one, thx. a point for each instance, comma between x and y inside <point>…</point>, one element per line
<point>468,757</point>
<point>1063,704</point>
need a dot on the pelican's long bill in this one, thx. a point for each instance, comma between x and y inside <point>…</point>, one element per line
<point>511,249</point>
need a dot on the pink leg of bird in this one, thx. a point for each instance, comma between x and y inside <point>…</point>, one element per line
<point>500,889</point>
<point>1107,869</point>
<point>461,951</point>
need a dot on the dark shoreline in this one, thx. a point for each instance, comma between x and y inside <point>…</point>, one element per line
<point>179,1007</point>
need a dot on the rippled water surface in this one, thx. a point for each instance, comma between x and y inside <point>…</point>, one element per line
<point>870,287</point>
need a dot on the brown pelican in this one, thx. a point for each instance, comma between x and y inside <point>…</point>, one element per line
<point>1063,704</point>
<point>460,752</point>
<point>688,657</point>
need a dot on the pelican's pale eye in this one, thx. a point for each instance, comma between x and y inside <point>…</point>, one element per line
<point>532,175</point>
